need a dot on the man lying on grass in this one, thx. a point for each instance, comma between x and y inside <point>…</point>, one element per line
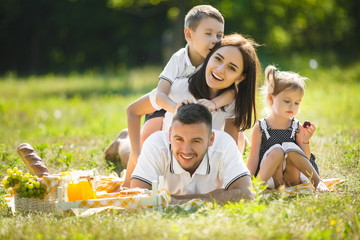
<point>195,161</point>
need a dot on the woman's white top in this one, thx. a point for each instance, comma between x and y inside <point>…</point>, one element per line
<point>179,92</point>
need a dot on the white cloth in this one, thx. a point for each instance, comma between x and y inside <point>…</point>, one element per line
<point>179,66</point>
<point>179,92</point>
<point>220,169</point>
<point>286,147</point>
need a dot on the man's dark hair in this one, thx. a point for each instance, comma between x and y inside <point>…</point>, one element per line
<point>193,113</point>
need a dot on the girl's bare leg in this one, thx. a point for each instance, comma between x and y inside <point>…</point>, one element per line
<point>278,176</point>
<point>291,174</point>
<point>272,167</point>
<point>115,151</point>
<point>298,163</point>
<point>150,126</point>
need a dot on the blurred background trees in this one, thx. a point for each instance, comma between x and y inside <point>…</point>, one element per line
<point>41,36</point>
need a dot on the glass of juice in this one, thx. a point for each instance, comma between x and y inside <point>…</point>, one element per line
<point>74,191</point>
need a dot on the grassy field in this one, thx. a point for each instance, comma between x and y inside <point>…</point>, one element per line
<point>70,120</point>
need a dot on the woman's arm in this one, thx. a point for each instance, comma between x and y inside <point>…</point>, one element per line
<point>135,111</point>
<point>231,129</point>
<point>253,161</point>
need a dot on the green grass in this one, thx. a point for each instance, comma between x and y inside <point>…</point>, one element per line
<point>70,120</point>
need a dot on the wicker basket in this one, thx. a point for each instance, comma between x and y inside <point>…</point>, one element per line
<point>35,204</point>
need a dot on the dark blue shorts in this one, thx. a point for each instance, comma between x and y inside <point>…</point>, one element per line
<point>159,113</point>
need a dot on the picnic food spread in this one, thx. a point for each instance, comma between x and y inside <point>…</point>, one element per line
<point>25,185</point>
<point>72,190</point>
<point>33,162</point>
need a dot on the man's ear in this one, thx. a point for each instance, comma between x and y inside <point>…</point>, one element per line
<point>240,79</point>
<point>187,34</point>
<point>212,138</point>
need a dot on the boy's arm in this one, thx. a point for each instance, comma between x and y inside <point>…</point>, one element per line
<point>162,96</point>
<point>220,101</point>
<point>253,160</point>
<point>135,111</point>
<point>225,98</point>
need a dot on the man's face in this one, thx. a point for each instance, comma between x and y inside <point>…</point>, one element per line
<point>189,143</point>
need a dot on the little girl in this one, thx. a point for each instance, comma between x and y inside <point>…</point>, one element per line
<point>280,150</point>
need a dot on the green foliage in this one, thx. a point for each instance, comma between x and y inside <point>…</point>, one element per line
<point>108,36</point>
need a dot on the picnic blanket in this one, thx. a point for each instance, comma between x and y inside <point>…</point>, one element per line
<point>304,188</point>
<point>110,200</point>
<point>108,196</point>
<point>119,205</point>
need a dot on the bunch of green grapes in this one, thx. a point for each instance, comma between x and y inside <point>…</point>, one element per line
<point>14,176</point>
<point>25,185</point>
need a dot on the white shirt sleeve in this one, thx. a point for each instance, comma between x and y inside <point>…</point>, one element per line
<point>171,70</point>
<point>151,162</point>
<point>232,167</point>
<point>152,97</point>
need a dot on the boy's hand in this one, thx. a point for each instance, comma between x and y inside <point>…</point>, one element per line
<point>182,103</point>
<point>207,103</point>
<point>307,131</point>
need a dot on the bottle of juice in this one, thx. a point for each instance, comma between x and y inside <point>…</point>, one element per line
<point>87,187</point>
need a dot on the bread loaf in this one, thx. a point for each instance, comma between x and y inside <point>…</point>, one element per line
<point>33,162</point>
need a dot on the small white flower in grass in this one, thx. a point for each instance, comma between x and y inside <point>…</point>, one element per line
<point>57,114</point>
<point>313,63</point>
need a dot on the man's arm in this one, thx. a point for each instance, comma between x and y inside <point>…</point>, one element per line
<point>240,189</point>
<point>136,183</point>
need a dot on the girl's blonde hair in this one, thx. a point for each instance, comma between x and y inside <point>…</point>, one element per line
<point>277,81</point>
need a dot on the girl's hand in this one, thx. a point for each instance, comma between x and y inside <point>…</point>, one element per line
<point>207,103</point>
<point>307,132</point>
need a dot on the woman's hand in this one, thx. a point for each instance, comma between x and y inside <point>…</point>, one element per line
<point>207,103</point>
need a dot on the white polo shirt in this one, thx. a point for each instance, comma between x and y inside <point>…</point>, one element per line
<point>179,66</point>
<point>220,167</point>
